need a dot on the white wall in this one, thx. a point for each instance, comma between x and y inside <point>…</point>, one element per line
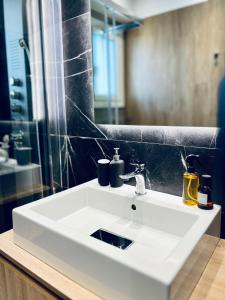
<point>145,8</point>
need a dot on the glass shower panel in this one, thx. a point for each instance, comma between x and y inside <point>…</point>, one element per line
<point>25,173</point>
<point>55,92</point>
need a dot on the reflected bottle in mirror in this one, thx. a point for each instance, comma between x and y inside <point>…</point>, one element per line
<point>23,155</point>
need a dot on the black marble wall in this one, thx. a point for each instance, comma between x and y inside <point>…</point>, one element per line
<point>160,148</point>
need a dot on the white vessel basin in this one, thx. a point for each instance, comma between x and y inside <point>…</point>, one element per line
<point>170,243</point>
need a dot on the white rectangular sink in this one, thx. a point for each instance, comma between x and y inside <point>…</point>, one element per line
<point>168,241</point>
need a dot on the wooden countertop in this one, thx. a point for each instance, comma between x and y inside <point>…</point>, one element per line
<point>211,285</point>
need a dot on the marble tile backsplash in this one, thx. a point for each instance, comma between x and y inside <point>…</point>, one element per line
<point>164,168</point>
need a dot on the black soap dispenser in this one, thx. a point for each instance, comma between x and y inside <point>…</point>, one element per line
<point>116,168</point>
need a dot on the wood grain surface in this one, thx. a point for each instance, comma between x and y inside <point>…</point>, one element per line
<point>172,77</point>
<point>211,286</point>
<point>16,285</point>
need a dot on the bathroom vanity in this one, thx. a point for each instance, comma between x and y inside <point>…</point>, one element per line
<point>120,245</point>
<point>23,274</point>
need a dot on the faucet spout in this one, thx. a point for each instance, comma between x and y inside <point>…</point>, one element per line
<point>128,176</point>
<point>139,177</point>
<point>140,184</point>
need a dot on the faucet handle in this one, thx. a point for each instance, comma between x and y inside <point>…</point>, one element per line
<point>138,166</point>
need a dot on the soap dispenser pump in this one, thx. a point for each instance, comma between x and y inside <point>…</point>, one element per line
<point>116,168</point>
<point>190,181</point>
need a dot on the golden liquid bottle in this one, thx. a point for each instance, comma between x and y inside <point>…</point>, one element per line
<point>190,188</point>
<point>190,182</point>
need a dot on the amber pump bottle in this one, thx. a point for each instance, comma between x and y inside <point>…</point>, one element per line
<point>190,181</point>
<point>205,192</point>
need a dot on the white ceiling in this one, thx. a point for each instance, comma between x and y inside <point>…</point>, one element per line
<point>146,8</point>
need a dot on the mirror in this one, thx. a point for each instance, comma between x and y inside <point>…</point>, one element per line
<point>162,70</point>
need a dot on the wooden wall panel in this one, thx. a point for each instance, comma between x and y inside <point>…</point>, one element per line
<point>171,75</point>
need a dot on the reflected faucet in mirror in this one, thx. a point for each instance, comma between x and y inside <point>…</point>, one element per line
<point>4,154</point>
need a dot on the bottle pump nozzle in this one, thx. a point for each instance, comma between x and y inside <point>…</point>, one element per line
<point>190,159</point>
<point>116,156</point>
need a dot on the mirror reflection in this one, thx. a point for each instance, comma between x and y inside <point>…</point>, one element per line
<point>161,69</point>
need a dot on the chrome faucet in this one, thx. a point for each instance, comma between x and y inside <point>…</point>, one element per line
<point>140,179</point>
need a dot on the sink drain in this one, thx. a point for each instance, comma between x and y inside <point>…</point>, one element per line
<point>112,239</point>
